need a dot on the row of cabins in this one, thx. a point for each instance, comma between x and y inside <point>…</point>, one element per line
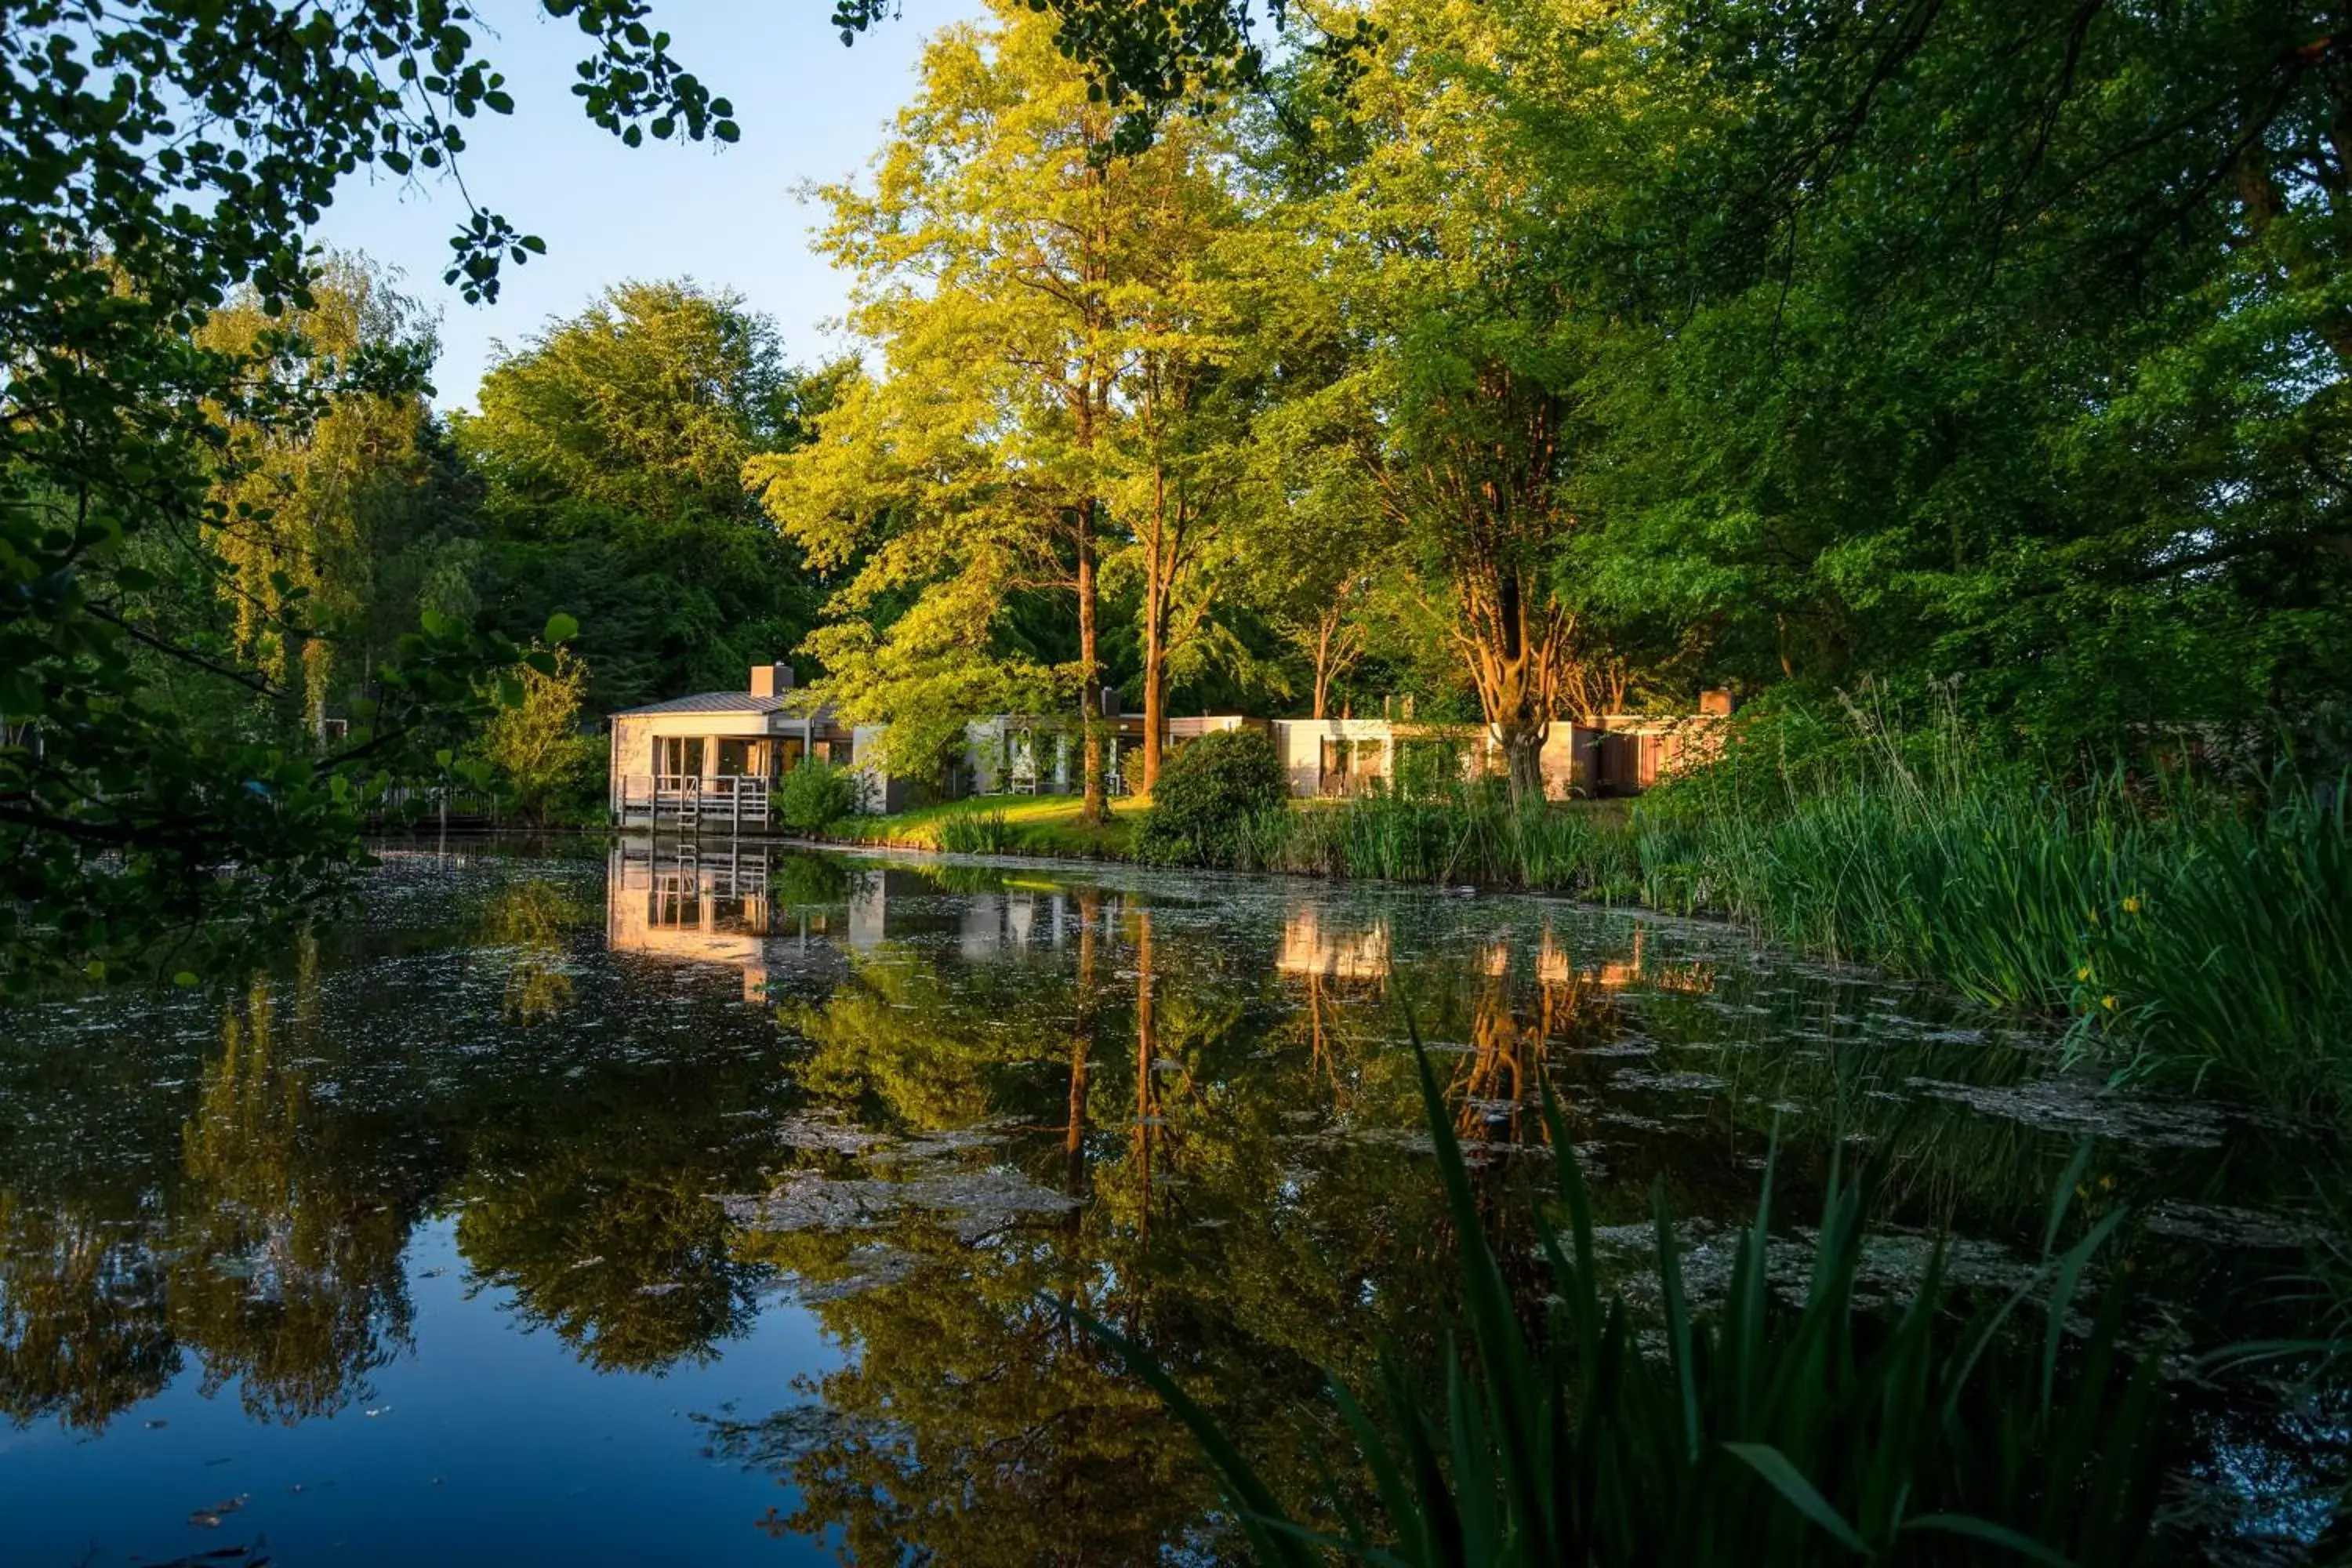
<point>710,760</point>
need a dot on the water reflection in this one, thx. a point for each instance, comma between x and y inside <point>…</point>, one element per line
<point>916,1104</point>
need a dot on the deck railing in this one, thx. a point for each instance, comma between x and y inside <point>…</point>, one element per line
<point>729,800</point>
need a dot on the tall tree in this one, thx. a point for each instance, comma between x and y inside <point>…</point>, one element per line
<point>1468,315</point>
<point>2007,344</point>
<point>307,509</point>
<point>612,444</point>
<point>1180,463</point>
<point>1011,265</point>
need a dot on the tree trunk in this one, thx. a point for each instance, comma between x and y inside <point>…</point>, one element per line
<point>1091,810</point>
<point>1515,650</point>
<point>1327,635</point>
<point>1155,701</point>
<point>1522,748</point>
<point>1160,564</point>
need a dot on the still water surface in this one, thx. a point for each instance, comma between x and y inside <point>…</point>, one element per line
<point>667,1208</point>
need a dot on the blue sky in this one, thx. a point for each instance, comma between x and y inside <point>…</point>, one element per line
<point>809,110</point>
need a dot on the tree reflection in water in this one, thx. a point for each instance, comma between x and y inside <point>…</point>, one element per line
<point>271,1247</point>
<point>1186,1103</point>
<point>286,1239</point>
<point>961,1098</point>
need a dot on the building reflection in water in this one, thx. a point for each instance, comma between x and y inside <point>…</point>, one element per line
<point>763,912</point>
<point>1511,1028</point>
<point>1311,951</point>
<point>729,905</point>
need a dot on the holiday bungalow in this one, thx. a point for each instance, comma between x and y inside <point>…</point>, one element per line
<point>714,757</point>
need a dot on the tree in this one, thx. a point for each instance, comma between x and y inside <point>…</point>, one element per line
<point>2000,349</point>
<point>1316,549</point>
<point>1179,453</point>
<point>1456,361</point>
<point>536,745</point>
<point>1018,277</point>
<point>613,446</point>
<point>153,164</point>
<point>307,509</point>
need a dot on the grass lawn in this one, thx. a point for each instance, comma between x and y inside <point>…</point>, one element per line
<point>1034,825</point>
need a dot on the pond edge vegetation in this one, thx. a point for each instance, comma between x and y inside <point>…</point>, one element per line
<point>2181,929</point>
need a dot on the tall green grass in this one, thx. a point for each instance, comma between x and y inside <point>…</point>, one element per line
<point>1463,836</point>
<point>1760,1431</point>
<point>976,833</point>
<point>2196,934</point>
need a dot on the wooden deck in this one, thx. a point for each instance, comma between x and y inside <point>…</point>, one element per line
<point>690,803</point>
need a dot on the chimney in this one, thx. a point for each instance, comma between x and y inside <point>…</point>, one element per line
<point>1110,702</point>
<point>771,680</point>
<point>1715,702</point>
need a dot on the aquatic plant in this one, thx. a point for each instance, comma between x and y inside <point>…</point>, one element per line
<point>988,832</point>
<point>2192,935</point>
<point>1760,1431</point>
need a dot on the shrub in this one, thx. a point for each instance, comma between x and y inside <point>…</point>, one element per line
<point>814,795</point>
<point>1207,792</point>
<point>548,766</point>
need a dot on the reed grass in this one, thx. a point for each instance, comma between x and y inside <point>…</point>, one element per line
<point>2194,934</point>
<point>976,833</point>
<point>1760,1432</point>
<point>1463,836</point>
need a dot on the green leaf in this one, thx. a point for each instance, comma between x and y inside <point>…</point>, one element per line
<point>1773,1464</point>
<point>561,628</point>
<point>1986,1529</point>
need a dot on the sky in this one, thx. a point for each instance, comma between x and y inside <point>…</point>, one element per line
<point>729,218</point>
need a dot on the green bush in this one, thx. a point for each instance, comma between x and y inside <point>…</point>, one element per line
<point>814,795</point>
<point>1207,794</point>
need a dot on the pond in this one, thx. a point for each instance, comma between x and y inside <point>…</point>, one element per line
<point>711,1207</point>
